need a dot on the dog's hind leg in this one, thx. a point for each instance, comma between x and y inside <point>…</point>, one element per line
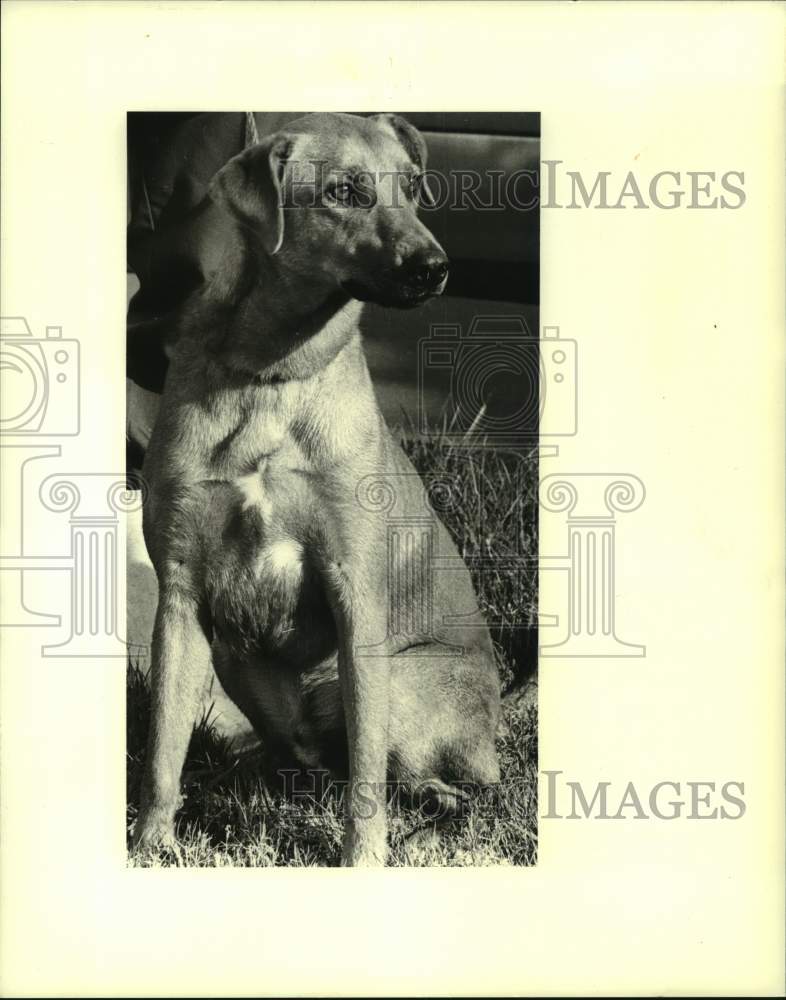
<point>443,719</point>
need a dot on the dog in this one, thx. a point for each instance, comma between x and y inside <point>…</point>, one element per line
<point>267,474</point>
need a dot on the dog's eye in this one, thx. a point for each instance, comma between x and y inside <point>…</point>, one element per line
<point>341,193</point>
<point>418,189</point>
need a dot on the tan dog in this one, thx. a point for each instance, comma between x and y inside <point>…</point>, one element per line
<point>272,563</point>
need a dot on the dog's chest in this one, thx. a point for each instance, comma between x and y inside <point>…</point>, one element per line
<point>262,575</point>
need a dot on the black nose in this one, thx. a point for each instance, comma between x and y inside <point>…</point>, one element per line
<point>424,271</point>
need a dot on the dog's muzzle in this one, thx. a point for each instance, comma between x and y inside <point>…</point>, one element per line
<point>418,278</point>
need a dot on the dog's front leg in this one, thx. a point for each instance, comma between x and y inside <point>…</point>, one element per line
<point>365,688</point>
<point>180,661</point>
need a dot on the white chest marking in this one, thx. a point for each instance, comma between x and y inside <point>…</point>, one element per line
<point>284,560</point>
<point>252,487</point>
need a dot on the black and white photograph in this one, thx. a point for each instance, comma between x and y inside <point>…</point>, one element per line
<point>392,498</point>
<point>333,386</point>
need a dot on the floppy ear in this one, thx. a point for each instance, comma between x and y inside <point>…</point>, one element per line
<point>249,186</point>
<point>409,137</point>
<point>414,145</point>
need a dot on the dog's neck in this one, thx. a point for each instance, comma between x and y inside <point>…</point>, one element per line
<point>266,321</point>
<point>275,337</point>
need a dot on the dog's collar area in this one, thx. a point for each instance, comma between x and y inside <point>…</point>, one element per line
<point>239,374</point>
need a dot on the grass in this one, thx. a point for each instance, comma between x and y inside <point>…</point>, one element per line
<point>233,815</point>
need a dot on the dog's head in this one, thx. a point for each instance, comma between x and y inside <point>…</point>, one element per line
<point>335,199</point>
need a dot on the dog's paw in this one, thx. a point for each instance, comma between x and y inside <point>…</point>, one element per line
<point>362,859</point>
<point>154,834</point>
<point>364,848</point>
<point>440,801</point>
